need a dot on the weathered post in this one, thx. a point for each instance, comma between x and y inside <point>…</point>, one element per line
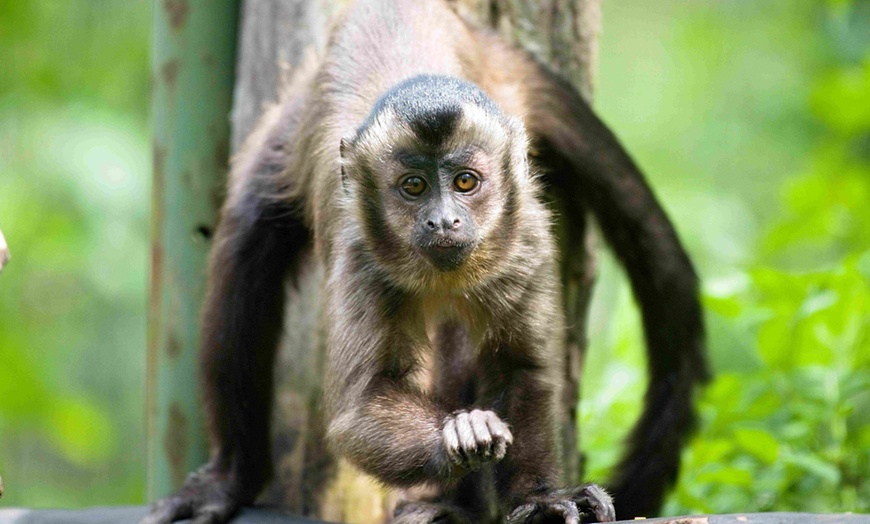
<point>193,66</point>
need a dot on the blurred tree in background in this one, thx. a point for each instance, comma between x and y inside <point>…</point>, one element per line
<point>751,117</point>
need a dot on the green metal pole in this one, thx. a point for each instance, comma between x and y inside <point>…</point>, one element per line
<point>193,67</point>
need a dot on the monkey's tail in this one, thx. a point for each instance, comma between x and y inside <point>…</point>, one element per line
<point>593,171</point>
<point>676,365</point>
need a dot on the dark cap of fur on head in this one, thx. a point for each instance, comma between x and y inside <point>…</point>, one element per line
<point>432,106</point>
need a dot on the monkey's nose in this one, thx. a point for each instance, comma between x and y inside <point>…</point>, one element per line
<point>445,224</point>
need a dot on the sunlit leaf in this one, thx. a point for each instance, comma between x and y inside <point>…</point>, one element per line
<point>758,442</point>
<point>727,476</point>
<point>814,466</point>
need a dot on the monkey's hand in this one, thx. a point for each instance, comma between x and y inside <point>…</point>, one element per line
<point>587,503</point>
<point>472,438</point>
<point>207,497</point>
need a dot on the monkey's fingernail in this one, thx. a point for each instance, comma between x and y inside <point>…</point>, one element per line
<point>509,437</point>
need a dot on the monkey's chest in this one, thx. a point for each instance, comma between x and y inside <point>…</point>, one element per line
<point>452,321</point>
<point>451,365</point>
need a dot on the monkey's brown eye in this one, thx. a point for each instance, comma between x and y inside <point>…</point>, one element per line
<point>465,182</point>
<point>414,186</point>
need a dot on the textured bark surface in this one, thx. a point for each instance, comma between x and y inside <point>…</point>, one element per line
<point>275,37</point>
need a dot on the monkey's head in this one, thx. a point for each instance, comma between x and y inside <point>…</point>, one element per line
<point>436,176</point>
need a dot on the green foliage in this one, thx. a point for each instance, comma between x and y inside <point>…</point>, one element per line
<point>785,425</point>
<point>792,433</point>
<point>74,169</point>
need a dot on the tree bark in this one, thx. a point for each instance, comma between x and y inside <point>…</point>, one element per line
<point>275,37</point>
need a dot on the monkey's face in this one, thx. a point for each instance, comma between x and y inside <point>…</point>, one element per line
<point>435,209</point>
<point>437,200</point>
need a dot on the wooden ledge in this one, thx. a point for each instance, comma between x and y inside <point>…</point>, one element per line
<point>132,515</point>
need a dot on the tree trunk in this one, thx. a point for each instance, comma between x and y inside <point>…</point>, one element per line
<point>275,37</point>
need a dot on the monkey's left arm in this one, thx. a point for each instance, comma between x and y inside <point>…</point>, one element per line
<point>589,169</point>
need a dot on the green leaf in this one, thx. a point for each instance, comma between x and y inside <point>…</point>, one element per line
<point>758,442</point>
<point>728,476</point>
<point>815,466</point>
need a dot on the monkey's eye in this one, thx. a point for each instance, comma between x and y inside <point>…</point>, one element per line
<point>465,182</point>
<point>414,185</point>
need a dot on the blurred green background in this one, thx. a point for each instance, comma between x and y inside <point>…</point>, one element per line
<point>751,117</point>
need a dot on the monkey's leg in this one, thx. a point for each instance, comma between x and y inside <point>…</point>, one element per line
<point>528,475</point>
<point>591,170</point>
<point>258,240</point>
<point>518,385</point>
<point>587,503</point>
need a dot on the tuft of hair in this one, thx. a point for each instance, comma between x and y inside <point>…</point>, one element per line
<point>431,106</point>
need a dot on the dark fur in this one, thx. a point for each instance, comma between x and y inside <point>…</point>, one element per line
<point>431,104</point>
<point>316,170</point>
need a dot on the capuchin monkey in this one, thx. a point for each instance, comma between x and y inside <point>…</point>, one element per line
<point>404,158</point>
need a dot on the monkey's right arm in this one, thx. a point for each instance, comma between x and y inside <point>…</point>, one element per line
<point>379,418</point>
<point>259,238</point>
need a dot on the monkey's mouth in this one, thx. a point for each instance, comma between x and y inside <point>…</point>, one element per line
<point>447,243</point>
<point>447,253</point>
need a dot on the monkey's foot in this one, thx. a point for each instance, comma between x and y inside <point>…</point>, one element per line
<point>472,438</point>
<point>587,503</point>
<point>428,513</point>
<point>207,497</point>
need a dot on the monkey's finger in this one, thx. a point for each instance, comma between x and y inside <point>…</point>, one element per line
<point>468,445</point>
<point>168,510</point>
<point>598,501</point>
<point>499,450</point>
<point>497,428</point>
<point>501,438</point>
<point>463,429</point>
<point>481,433</point>
<point>206,518</point>
<point>522,514</point>
<point>217,513</point>
<point>451,440</point>
<point>565,509</point>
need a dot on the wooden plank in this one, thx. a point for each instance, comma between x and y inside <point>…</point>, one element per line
<point>127,515</point>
